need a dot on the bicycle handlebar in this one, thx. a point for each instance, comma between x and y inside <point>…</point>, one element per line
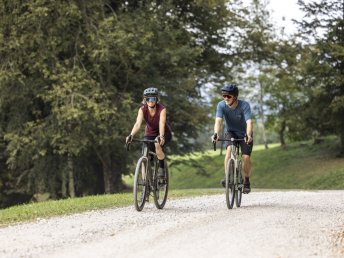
<point>231,139</point>
<point>139,140</point>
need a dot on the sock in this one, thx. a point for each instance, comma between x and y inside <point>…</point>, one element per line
<point>247,180</point>
<point>162,163</point>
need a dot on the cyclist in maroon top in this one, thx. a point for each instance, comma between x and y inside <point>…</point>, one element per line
<point>154,114</point>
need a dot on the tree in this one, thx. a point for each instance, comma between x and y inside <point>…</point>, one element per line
<point>72,75</point>
<point>257,57</point>
<point>322,65</point>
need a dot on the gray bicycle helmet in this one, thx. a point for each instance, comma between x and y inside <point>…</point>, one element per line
<point>231,89</point>
<point>151,92</point>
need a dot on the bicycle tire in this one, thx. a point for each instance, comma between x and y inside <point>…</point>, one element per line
<point>161,188</point>
<point>239,188</point>
<point>230,190</point>
<point>140,184</point>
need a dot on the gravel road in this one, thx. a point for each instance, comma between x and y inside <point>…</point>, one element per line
<point>269,224</point>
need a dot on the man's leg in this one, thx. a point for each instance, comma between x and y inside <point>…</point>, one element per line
<point>227,157</point>
<point>247,165</point>
<point>247,168</point>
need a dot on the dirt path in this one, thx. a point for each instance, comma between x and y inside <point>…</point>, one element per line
<point>269,224</point>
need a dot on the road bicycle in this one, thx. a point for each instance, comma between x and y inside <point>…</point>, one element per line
<point>146,180</point>
<point>234,182</point>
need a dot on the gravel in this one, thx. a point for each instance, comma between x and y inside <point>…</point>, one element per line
<point>269,224</point>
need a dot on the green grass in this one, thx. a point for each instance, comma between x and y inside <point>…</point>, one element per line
<point>46,209</point>
<point>299,166</point>
<point>33,211</point>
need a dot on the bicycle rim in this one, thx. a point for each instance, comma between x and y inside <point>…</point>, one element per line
<point>230,190</point>
<point>140,185</point>
<point>161,189</point>
<point>240,180</point>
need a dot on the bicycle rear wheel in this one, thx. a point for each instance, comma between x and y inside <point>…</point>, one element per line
<point>161,188</point>
<point>140,183</point>
<point>230,190</point>
<point>240,185</point>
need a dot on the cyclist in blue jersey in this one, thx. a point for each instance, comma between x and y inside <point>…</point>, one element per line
<point>238,122</point>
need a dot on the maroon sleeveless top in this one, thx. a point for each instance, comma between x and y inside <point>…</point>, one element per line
<point>152,122</point>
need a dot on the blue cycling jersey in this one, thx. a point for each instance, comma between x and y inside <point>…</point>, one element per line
<point>235,119</point>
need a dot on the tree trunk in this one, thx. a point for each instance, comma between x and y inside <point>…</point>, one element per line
<point>281,133</point>
<point>70,165</point>
<point>261,113</point>
<point>107,175</point>
<point>117,178</point>
<point>107,172</point>
<point>342,143</point>
<point>64,182</point>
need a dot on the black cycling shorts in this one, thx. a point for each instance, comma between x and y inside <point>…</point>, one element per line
<point>151,145</point>
<point>245,148</point>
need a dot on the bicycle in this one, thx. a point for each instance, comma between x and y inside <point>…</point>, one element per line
<point>146,180</point>
<point>234,182</point>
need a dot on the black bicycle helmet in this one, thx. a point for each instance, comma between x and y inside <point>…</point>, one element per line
<point>231,89</point>
<point>151,92</point>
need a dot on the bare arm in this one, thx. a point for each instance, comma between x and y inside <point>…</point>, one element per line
<point>249,127</point>
<point>138,123</point>
<point>217,126</point>
<point>217,129</point>
<point>162,122</point>
<point>249,130</point>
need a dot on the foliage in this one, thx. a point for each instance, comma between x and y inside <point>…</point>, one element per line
<point>321,66</point>
<point>71,80</point>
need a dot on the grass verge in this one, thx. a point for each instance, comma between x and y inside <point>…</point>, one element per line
<point>34,211</point>
<point>298,166</point>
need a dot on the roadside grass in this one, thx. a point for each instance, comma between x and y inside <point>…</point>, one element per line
<point>35,211</point>
<point>301,165</point>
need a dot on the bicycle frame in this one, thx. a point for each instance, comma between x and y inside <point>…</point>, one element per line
<point>235,155</point>
<point>146,179</point>
<point>151,170</point>
<point>151,158</point>
<point>233,175</point>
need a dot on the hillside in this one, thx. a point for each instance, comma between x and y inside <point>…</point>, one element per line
<point>299,166</point>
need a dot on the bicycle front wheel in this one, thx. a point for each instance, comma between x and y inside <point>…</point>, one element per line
<point>240,185</point>
<point>230,190</point>
<point>140,183</point>
<point>161,189</point>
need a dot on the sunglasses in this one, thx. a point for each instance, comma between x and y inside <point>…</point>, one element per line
<point>227,96</point>
<point>151,99</point>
